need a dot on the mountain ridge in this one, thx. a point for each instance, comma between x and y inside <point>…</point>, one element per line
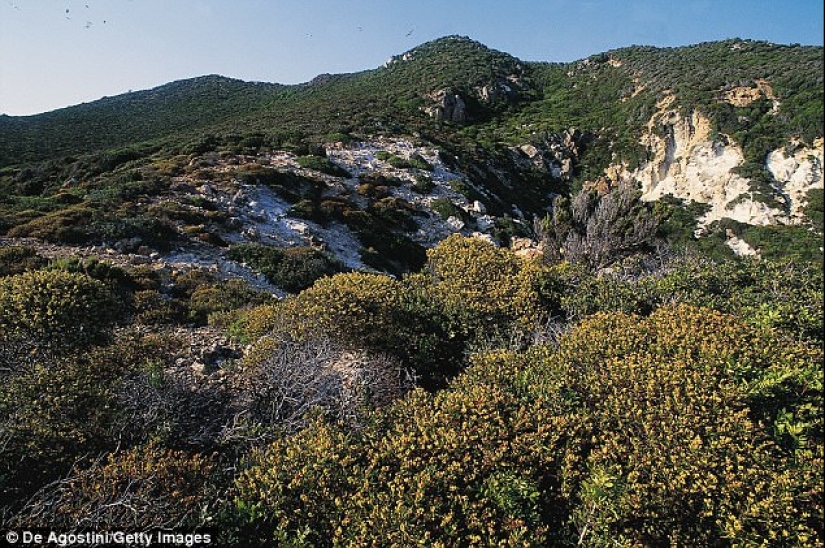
<point>517,133</point>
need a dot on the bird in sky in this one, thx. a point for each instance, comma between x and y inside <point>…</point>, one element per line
<point>410,33</point>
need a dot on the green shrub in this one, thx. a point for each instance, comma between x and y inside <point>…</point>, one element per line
<point>59,412</point>
<point>16,259</point>
<point>445,209</point>
<point>145,231</point>
<point>291,269</point>
<point>372,312</point>
<point>815,210</point>
<point>60,309</point>
<point>323,165</point>
<point>423,184</point>
<point>777,294</point>
<point>414,162</point>
<point>647,431</point>
<point>152,307</point>
<point>222,297</point>
<point>67,225</point>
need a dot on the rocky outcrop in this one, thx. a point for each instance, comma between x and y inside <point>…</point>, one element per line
<point>797,171</point>
<point>688,163</point>
<point>556,154</point>
<point>448,105</point>
<point>742,96</point>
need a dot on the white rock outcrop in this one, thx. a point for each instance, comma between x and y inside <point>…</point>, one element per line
<point>688,164</point>
<point>797,172</point>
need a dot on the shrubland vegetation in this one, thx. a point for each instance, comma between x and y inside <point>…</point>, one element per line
<point>485,398</point>
<point>633,385</point>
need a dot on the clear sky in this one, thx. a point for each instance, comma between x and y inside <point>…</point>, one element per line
<point>56,53</point>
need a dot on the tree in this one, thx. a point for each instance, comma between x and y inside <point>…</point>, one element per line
<point>597,230</point>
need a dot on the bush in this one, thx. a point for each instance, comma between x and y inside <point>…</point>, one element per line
<point>485,290</point>
<point>54,412</point>
<point>286,382</point>
<point>651,431</point>
<point>16,259</point>
<point>423,184</point>
<point>69,225</point>
<point>291,269</point>
<point>323,165</point>
<point>223,297</point>
<point>446,209</point>
<point>138,489</point>
<point>371,312</point>
<point>60,309</point>
<point>814,209</point>
<point>598,230</point>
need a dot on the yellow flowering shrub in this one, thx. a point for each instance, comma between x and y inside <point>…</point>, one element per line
<point>633,431</point>
<point>57,309</point>
<point>484,287</point>
<point>366,311</point>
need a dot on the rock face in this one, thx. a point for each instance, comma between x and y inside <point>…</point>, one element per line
<point>798,172</point>
<point>688,164</point>
<point>555,154</point>
<point>448,106</point>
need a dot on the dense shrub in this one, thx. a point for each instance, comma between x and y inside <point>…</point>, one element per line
<point>60,309</point>
<point>51,413</point>
<point>815,210</point>
<point>141,488</point>
<point>69,225</point>
<point>291,269</point>
<point>657,431</point>
<point>323,165</point>
<point>782,295</point>
<point>16,259</point>
<point>485,290</point>
<point>445,209</point>
<point>423,184</point>
<point>368,311</point>
<point>226,296</point>
<point>778,294</point>
<point>598,230</point>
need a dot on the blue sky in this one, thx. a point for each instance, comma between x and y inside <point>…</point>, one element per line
<point>56,53</point>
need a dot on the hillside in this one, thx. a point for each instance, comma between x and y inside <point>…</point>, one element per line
<point>458,299</point>
<point>554,127</point>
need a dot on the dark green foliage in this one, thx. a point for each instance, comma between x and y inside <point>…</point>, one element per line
<point>445,209</point>
<point>423,184</point>
<point>323,165</point>
<point>796,242</point>
<point>188,105</point>
<point>390,251</point>
<point>291,269</point>
<point>16,259</point>
<point>814,209</point>
<point>778,294</point>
